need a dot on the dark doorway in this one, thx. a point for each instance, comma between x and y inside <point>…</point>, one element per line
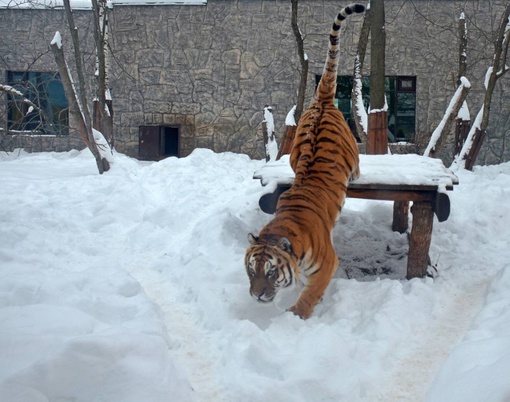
<point>158,142</point>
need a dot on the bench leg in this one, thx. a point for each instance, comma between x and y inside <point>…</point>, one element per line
<point>400,216</point>
<point>419,242</point>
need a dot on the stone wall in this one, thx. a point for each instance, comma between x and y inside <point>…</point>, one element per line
<point>211,69</point>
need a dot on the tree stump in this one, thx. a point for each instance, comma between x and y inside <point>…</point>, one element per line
<point>377,141</point>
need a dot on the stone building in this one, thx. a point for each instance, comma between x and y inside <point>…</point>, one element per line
<point>188,75</point>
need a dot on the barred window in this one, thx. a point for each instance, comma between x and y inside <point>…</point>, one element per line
<point>400,95</point>
<point>45,91</point>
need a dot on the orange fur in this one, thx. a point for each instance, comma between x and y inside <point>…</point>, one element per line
<point>324,158</point>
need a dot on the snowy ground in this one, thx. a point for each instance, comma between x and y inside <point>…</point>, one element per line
<point>130,287</point>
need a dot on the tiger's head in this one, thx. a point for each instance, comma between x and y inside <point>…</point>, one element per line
<point>270,267</point>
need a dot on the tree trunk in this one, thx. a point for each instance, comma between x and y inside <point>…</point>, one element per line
<point>461,131</point>
<point>287,141</point>
<point>77,96</point>
<point>462,48</point>
<point>358,110</point>
<point>478,138</point>
<point>75,110</point>
<point>303,61</point>
<point>377,141</point>
<point>102,112</point>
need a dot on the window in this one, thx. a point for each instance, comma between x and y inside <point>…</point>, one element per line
<point>401,98</point>
<point>45,90</point>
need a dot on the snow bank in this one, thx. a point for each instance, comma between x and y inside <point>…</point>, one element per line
<point>130,286</point>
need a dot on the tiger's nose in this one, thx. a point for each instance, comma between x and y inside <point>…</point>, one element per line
<point>259,295</point>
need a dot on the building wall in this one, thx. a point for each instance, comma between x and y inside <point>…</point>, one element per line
<point>211,69</point>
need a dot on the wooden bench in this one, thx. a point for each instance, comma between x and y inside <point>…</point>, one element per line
<point>413,178</point>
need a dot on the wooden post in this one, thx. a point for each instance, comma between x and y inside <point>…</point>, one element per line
<point>419,242</point>
<point>377,141</point>
<point>400,216</point>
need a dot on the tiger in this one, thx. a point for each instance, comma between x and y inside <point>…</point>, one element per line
<point>324,157</point>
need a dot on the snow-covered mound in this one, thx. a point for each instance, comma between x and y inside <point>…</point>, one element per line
<point>130,286</point>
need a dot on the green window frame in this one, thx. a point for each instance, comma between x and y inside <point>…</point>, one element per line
<point>400,96</point>
<point>46,91</point>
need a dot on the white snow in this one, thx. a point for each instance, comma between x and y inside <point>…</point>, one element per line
<point>464,112</point>
<point>57,40</point>
<point>290,119</point>
<point>272,145</point>
<point>488,76</point>
<point>130,286</point>
<point>102,146</point>
<point>408,169</point>
<point>362,113</point>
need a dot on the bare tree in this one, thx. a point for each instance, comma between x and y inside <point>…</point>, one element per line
<point>458,100</point>
<point>303,61</point>
<point>358,110</point>
<point>290,130</point>
<point>467,156</point>
<point>76,95</point>
<point>103,111</point>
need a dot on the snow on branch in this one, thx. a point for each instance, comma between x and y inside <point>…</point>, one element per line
<point>360,107</point>
<point>290,120</point>
<point>451,112</point>
<point>269,136</point>
<point>102,146</point>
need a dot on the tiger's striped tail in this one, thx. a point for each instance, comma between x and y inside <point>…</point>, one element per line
<point>327,85</point>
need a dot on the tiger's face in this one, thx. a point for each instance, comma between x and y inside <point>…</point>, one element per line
<point>269,268</point>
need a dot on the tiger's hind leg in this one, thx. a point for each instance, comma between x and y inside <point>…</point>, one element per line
<point>317,284</point>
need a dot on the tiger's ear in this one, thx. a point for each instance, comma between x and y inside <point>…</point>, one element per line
<point>252,238</point>
<point>285,245</point>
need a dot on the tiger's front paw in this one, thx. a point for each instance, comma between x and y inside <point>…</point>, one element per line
<point>301,311</point>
